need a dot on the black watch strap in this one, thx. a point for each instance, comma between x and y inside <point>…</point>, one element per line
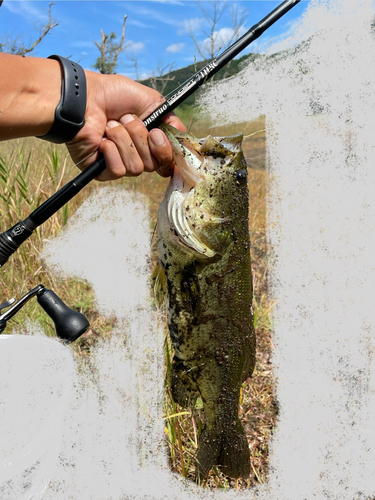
<point>70,112</point>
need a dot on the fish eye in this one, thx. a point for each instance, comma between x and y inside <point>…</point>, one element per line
<point>241,176</point>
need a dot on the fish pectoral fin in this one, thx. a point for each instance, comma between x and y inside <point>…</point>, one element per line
<point>184,389</point>
<point>233,143</point>
<point>159,281</point>
<point>218,238</point>
<point>218,220</point>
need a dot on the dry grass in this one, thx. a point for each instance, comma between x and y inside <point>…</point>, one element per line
<point>32,166</point>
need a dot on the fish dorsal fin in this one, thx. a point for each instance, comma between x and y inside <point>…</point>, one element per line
<point>233,142</point>
<point>159,281</point>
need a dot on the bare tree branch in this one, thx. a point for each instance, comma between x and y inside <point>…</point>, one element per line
<point>119,48</point>
<point>134,65</point>
<point>238,16</point>
<point>46,29</point>
<point>213,17</point>
<point>213,13</point>
<point>109,51</point>
<point>102,50</point>
<point>197,46</point>
<point>160,81</point>
<point>15,45</point>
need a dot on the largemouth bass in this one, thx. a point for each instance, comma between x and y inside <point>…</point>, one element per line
<point>204,251</point>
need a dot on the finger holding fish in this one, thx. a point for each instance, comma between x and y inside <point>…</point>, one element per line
<point>130,149</point>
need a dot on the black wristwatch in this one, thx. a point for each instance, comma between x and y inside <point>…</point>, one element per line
<point>70,112</point>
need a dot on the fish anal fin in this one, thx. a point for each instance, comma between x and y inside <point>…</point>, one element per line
<point>250,360</point>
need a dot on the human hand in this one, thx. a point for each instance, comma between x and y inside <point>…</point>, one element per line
<point>113,126</point>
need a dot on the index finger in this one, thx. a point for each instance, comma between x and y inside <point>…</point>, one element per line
<point>172,119</point>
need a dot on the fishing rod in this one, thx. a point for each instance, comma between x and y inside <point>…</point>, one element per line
<point>11,239</point>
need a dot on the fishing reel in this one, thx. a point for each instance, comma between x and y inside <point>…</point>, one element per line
<point>69,324</point>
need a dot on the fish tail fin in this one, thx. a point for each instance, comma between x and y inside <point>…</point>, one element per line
<point>228,449</point>
<point>208,453</point>
<point>234,459</point>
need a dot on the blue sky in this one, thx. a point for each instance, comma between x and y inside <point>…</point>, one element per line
<point>156,30</point>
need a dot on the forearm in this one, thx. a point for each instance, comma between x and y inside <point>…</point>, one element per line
<point>30,90</point>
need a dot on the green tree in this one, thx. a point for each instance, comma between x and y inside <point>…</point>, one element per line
<point>109,50</point>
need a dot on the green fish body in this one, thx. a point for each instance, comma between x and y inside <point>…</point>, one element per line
<point>204,251</point>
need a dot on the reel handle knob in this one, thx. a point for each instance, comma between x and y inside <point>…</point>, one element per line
<point>69,324</point>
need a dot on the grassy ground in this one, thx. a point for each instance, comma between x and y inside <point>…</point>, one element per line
<point>31,166</point>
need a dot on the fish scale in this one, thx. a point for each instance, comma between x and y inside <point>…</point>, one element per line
<point>205,268</point>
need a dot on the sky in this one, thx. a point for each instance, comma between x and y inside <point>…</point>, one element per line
<point>157,31</point>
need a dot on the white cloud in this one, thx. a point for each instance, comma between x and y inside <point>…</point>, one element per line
<point>221,39</point>
<point>145,74</point>
<point>175,47</point>
<point>134,47</point>
<point>172,2</point>
<point>291,24</point>
<point>27,10</point>
<point>193,24</point>
<point>139,24</point>
<point>152,14</point>
<point>83,44</point>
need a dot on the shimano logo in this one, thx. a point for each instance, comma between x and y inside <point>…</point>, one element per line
<point>155,115</point>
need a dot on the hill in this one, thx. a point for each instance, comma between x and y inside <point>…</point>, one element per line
<point>181,75</point>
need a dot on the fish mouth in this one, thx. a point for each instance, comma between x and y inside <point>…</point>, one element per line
<point>173,132</point>
<point>186,151</point>
<point>187,173</point>
<point>191,154</point>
